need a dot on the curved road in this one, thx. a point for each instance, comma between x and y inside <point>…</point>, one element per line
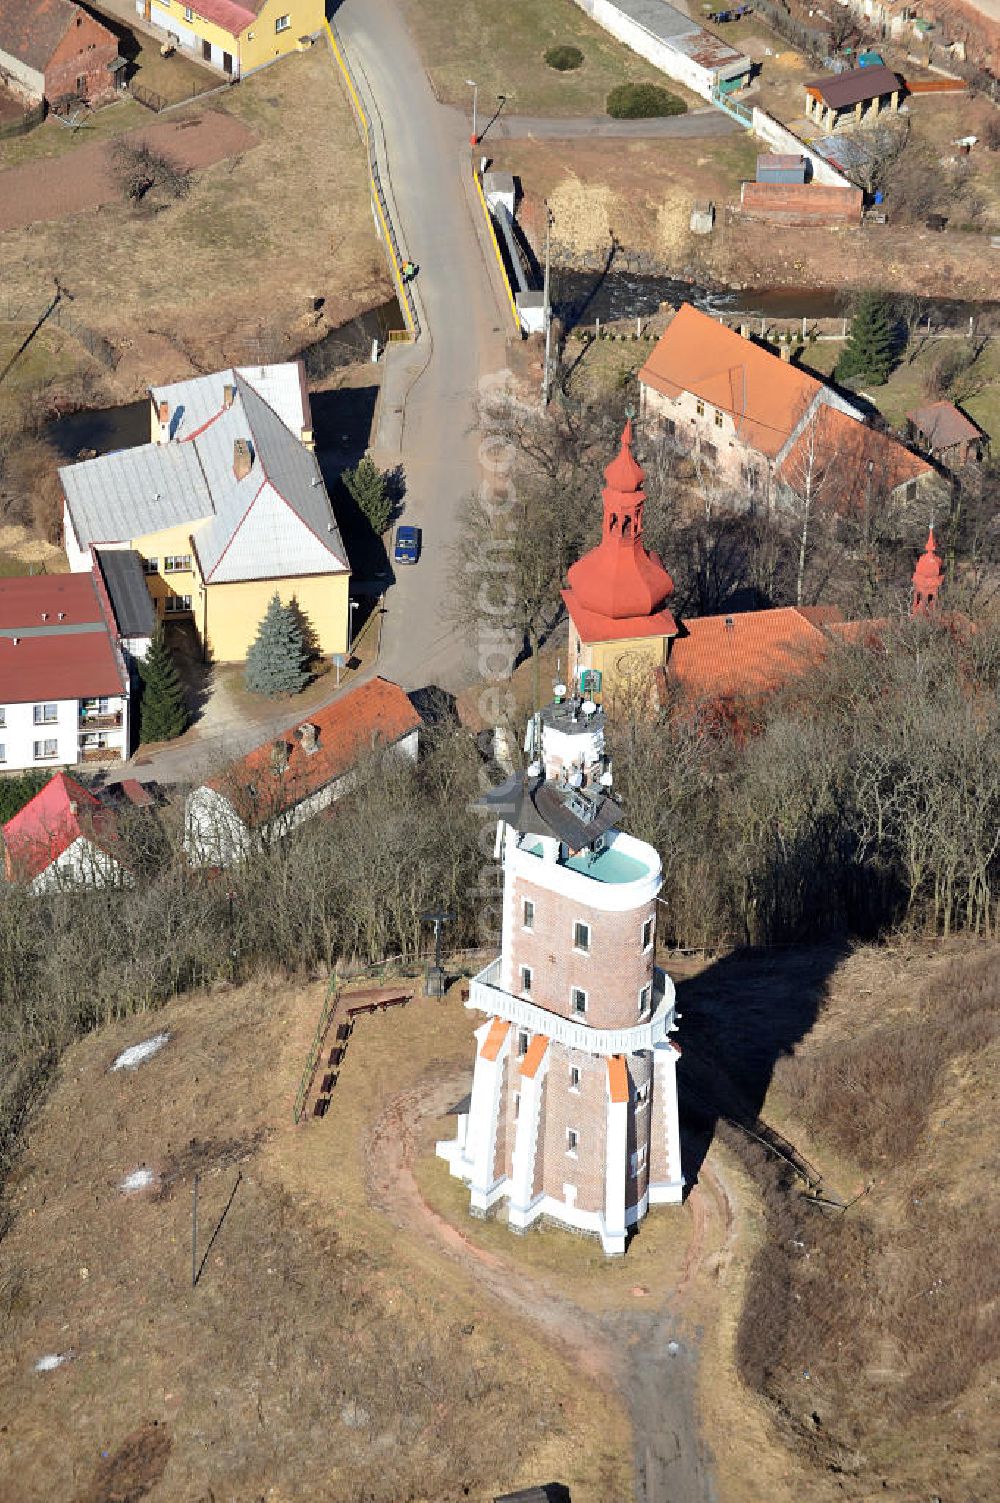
<point>435,381</point>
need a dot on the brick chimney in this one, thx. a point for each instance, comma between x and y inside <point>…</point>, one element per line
<point>164,417</point>
<point>279,755</point>
<point>309,737</point>
<point>242,458</point>
<point>228,394</point>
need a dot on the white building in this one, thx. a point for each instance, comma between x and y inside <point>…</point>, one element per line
<point>64,683</point>
<point>573,1110</point>
<point>672,42</point>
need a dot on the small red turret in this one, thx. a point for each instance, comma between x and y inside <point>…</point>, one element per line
<point>927,577</point>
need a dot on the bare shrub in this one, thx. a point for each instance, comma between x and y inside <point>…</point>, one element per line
<point>141,170</point>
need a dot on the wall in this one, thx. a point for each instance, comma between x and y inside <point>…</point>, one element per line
<point>190,34</point>
<point>82,864</point>
<point>674,64</point>
<point>233,612</point>
<point>84,51</point>
<point>261,42</point>
<point>21,79</point>
<point>810,203</point>
<point>20,733</point>
<point>175,542</point>
<point>782,139</point>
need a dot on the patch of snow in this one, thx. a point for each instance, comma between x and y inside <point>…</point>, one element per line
<point>51,1361</point>
<point>139,1179</point>
<point>137,1054</point>
<point>673,1347</point>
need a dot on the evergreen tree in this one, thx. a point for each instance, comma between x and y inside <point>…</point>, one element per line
<point>367,484</point>
<point>276,661</point>
<point>869,351</point>
<point>163,713</point>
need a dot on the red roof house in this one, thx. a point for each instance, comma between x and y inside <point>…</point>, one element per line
<point>62,836</point>
<point>52,48</point>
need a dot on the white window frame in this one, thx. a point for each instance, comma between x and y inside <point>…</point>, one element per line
<point>574,992</point>
<point>41,715</point>
<point>151,566</point>
<point>177,563</point>
<point>517,1105</point>
<point>572,1143</point>
<point>642,1095</point>
<point>648,932</point>
<point>581,949</point>
<point>43,755</point>
<point>177,605</point>
<point>3,752</point>
<point>523,1039</point>
<point>528,914</point>
<point>188,13</point>
<point>282,23</point>
<point>645,998</point>
<point>574,1078</point>
<point>527,979</point>
<point>3,717</point>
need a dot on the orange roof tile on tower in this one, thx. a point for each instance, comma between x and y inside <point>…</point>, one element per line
<point>763,394</point>
<point>493,1042</point>
<point>534,1056</point>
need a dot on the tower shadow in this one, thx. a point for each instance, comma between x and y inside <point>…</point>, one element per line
<point>739,1017</point>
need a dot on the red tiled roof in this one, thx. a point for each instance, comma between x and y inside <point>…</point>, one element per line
<point>764,395</point>
<point>32,29</point>
<point>50,660</point>
<point>842,456</point>
<point>617,1079</point>
<point>595,628</point>
<point>534,1056</point>
<point>58,814</point>
<point>941,425</point>
<point>748,653</point>
<point>377,713</point>
<point>228,14</point>
<point>493,1042</point>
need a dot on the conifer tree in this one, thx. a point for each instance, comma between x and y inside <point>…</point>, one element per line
<point>367,485</point>
<point>869,351</point>
<point>276,661</point>
<point>163,713</point>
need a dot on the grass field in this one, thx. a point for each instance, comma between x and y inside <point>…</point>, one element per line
<point>503,48</point>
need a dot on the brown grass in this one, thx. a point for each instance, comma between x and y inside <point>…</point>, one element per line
<point>323,1353</point>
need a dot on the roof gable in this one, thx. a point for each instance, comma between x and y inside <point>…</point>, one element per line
<point>844,457</point>
<point>48,825</point>
<point>764,395</point>
<point>32,29</point>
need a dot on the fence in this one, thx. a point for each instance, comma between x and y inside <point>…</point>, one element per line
<point>27,122</point>
<point>378,197</point>
<point>151,100</point>
<point>59,314</point>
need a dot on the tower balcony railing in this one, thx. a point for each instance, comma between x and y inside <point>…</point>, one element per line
<point>486,995</point>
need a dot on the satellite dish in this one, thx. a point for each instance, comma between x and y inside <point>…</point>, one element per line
<point>559,690</point>
<point>576,778</point>
<point>606,779</point>
<point>589,708</point>
<point>534,768</point>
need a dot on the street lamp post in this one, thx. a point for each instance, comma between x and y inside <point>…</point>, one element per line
<point>474,138</point>
<point>352,606</point>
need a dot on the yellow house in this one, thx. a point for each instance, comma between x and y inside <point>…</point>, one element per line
<point>225,506</point>
<point>235,36</point>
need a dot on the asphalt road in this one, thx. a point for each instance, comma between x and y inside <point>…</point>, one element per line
<point>430,164</point>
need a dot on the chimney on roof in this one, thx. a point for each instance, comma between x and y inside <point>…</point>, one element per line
<point>16,641</point>
<point>164,416</point>
<point>785,351</point>
<point>308,737</point>
<point>242,458</point>
<point>228,394</point>
<point>62,615</point>
<point>306,437</point>
<point>74,807</point>
<point>279,755</point>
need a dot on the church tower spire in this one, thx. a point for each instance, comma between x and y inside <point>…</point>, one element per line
<point>927,578</point>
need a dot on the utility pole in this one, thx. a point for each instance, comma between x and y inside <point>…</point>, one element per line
<point>473,85</point>
<point>194,1231</point>
<point>435,974</point>
<point>547,310</point>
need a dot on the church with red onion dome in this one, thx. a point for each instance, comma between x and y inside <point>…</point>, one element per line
<point>617,595</point>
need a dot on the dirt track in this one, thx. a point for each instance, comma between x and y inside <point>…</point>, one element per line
<point>55,186</point>
<point>631,1349</point>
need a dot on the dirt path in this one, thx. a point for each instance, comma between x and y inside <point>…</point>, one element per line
<point>640,1350</point>
<point>81,179</point>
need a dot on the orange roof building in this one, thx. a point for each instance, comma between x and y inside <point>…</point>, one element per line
<point>301,772</point>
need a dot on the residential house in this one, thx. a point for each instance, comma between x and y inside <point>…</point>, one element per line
<point>64,682</point>
<point>52,48</point>
<point>225,506</point>
<point>235,36</point>
<point>852,98</point>
<point>945,433</point>
<point>63,837</point>
<point>283,782</point>
<point>746,413</point>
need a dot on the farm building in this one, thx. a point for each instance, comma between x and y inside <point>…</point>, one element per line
<point>853,97</point>
<point>945,433</point>
<point>785,167</point>
<point>51,48</point>
<point>235,36</point>
<point>672,42</point>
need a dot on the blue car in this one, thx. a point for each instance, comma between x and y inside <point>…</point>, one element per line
<point>407,549</point>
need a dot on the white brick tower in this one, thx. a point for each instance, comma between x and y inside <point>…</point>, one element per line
<point>573,1111</point>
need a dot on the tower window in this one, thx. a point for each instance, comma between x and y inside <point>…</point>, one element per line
<point>718,419</point>
<point>572,1141</point>
<point>581,937</point>
<point>700,409</point>
<point>642,1094</point>
<point>645,998</point>
<point>522,1044</point>
<point>526,978</point>
<point>647,933</point>
<point>578,1000</point>
<point>574,1077</point>
<point>528,918</point>
<point>517,1105</point>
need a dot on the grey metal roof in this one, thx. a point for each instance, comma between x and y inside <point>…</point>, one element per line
<point>121,570</point>
<point>195,402</point>
<point>535,806</point>
<point>122,496</point>
<point>678,31</point>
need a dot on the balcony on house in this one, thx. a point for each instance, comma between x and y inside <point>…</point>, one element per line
<point>97,715</point>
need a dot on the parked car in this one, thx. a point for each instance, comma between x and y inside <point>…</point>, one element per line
<point>407,548</point>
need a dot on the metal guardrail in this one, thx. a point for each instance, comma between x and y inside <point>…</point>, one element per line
<point>378,196</point>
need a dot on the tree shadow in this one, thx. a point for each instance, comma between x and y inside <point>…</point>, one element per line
<point>342,425</point>
<point>739,1017</point>
<point>574,312</point>
<point>194,666</point>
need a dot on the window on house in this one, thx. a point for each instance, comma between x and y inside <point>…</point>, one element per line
<point>574,1077</point>
<point>174,604</point>
<point>46,714</point>
<point>95,706</point>
<point>572,1141</point>
<point>648,930</point>
<point>3,715</point>
<point>581,937</point>
<point>700,409</point>
<point>151,566</point>
<point>911,491</point>
<point>645,998</point>
<point>81,84</point>
<point>282,23</point>
<point>669,427</point>
<point>718,419</point>
<point>522,1043</point>
<point>526,977</point>
<point>528,914</point>
<point>578,1000</point>
<point>44,749</point>
<point>188,13</point>
<point>177,563</point>
<point>3,752</point>
<point>637,1161</point>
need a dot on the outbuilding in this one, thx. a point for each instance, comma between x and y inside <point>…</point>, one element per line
<point>850,98</point>
<point>51,48</point>
<point>945,433</point>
